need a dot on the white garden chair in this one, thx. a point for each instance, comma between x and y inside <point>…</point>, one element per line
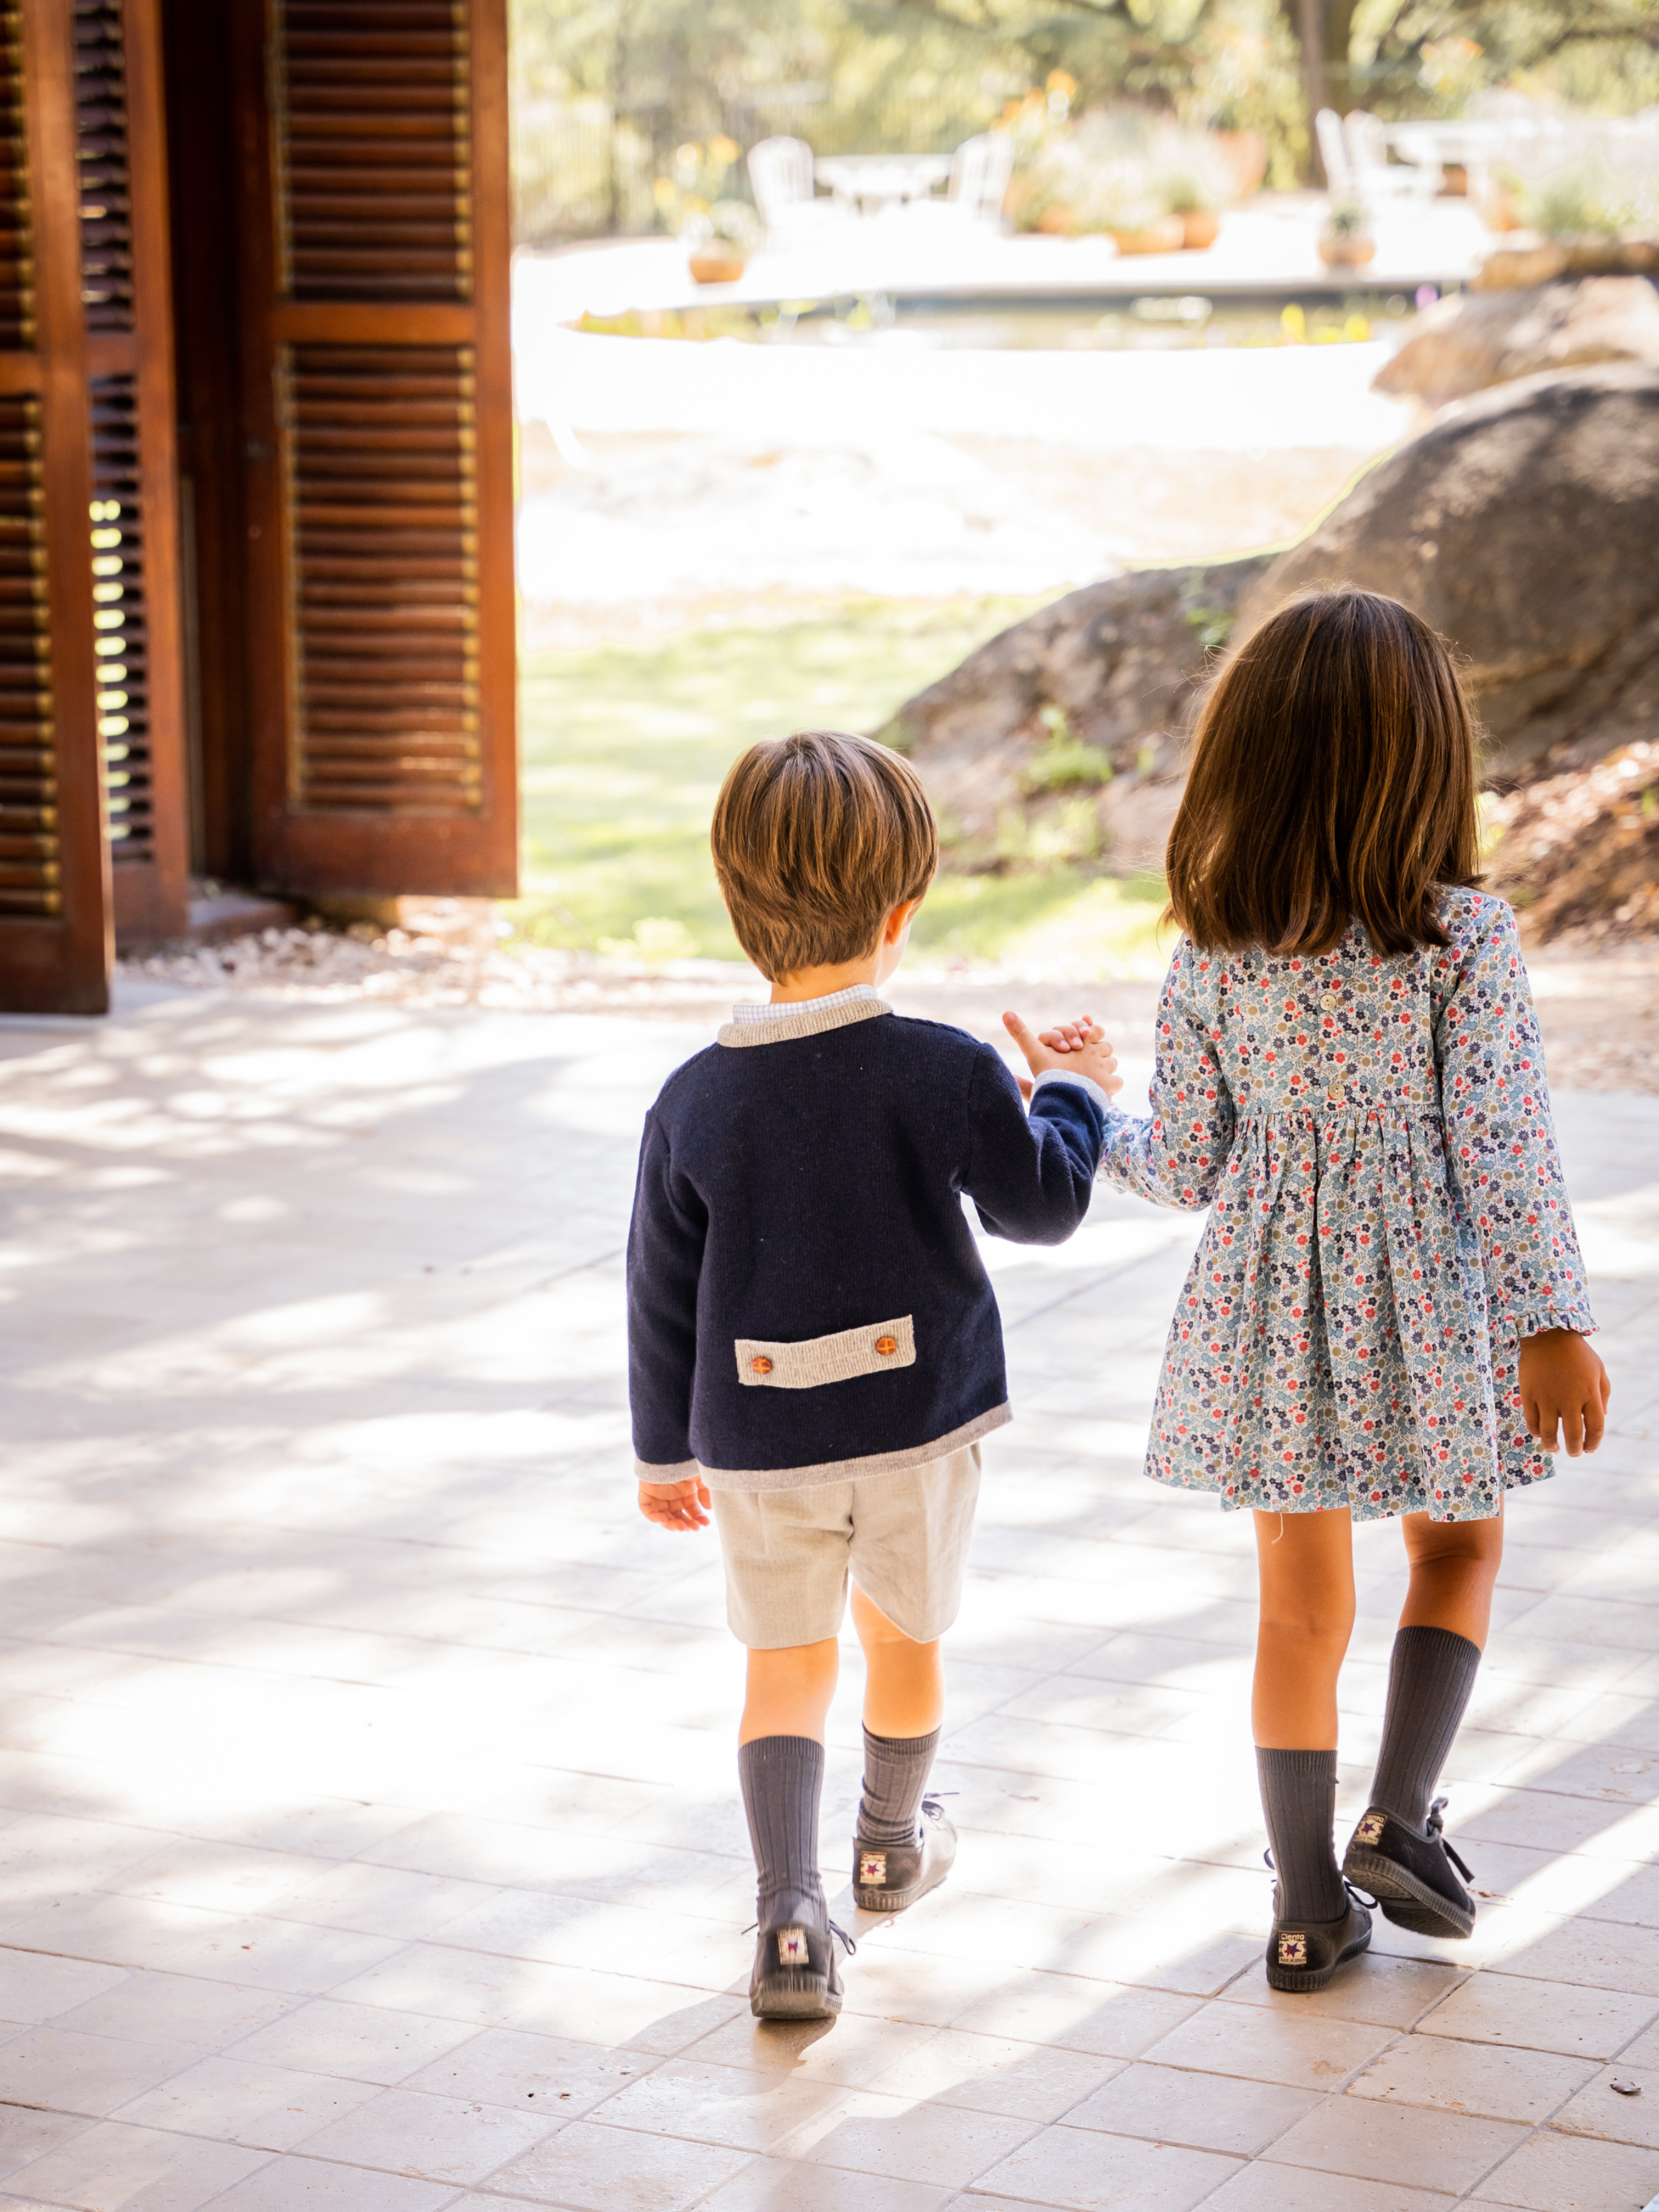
<point>781,175</point>
<point>981,174</point>
<point>1333,154</point>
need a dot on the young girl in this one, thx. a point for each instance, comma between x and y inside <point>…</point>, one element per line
<point>1388,1295</point>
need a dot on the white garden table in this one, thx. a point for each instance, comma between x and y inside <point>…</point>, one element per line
<point>874,181</point>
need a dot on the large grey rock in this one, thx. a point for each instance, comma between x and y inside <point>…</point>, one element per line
<point>1122,663</point>
<point>1478,340</point>
<point>1525,526</point>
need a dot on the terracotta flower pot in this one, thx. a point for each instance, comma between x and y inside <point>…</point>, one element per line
<point>1351,252</point>
<point>1058,221</point>
<point>717,265</point>
<point>1167,235</point>
<point>1203,227</point>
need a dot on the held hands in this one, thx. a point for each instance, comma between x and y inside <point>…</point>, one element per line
<point>1078,1047</point>
<point>676,1505</point>
<point>1562,1380</point>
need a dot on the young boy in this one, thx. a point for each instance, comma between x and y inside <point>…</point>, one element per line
<point>813,1342</point>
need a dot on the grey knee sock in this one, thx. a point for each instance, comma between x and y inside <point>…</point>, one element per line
<point>1298,1796</point>
<point>896,1771</point>
<point>782,1783</point>
<point>1430,1679</point>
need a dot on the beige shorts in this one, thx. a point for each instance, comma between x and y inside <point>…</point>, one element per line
<point>904,1537</point>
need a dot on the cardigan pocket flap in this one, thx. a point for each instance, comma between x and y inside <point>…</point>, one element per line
<point>815,1360</point>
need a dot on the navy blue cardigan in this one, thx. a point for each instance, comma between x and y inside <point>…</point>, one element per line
<point>806,1301</point>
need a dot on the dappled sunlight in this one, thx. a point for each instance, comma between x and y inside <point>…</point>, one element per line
<point>348,1711</point>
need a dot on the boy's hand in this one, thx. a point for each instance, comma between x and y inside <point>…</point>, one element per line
<point>676,1505</point>
<point>1086,1052</point>
<point>1562,1381</point>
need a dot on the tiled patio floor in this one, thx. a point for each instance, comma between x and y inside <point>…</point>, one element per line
<point>369,1825</point>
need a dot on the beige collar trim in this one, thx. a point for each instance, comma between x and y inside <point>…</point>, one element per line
<point>788,1028</point>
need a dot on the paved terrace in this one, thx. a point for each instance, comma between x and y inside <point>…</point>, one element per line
<point>367,1816</point>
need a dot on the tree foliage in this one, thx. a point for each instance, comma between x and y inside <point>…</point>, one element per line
<point>925,73</point>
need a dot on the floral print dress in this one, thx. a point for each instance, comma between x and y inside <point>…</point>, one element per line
<point>1372,1134</point>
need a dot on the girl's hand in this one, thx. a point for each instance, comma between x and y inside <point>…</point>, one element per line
<point>676,1505</point>
<point>1072,1036</point>
<point>1563,1381</point>
<point>1085,1053</point>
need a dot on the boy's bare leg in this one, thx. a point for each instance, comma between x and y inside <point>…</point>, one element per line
<point>1306,1562</point>
<point>899,1854</point>
<point>904,1691</point>
<point>789,1691</point>
<point>780,1764</point>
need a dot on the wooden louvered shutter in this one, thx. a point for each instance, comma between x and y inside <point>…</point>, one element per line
<point>126,289</point>
<point>379,415</point>
<point>54,880</point>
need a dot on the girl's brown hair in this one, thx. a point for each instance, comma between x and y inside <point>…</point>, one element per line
<point>1332,780</point>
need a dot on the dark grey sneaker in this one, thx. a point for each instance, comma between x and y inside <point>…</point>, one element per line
<point>794,1976</point>
<point>1411,1875</point>
<point>1303,1954</point>
<point>886,1877</point>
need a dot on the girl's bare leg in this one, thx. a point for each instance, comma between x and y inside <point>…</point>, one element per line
<point>1454,1569</point>
<point>1307,1615</point>
<point>1306,1563</point>
<point>1443,1632</point>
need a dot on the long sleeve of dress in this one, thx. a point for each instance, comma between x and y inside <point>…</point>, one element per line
<point>665,1261</point>
<point>1175,1158</point>
<point>1499,1135</point>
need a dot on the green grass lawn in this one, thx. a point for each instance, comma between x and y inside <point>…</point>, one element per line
<point>625,748</point>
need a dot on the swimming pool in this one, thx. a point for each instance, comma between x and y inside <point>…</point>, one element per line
<point>1120,321</point>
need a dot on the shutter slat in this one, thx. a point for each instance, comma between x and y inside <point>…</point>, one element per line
<point>388,690</point>
<point>119,614</point>
<point>17,321</point>
<point>100,105</point>
<point>29,871</point>
<point>373,151</point>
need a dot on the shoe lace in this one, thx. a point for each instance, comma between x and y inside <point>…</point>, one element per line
<point>1437,1827</point>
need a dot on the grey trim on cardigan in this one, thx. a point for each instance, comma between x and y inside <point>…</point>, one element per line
<point>787,1027</point>
<point>810,1362</point>
<point>835,1470</point>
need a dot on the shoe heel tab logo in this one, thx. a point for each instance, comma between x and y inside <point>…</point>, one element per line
<point>872,1869</point>
<point>1370,1830</point>
<point>792,1948</point>
<point>1293,1950</point>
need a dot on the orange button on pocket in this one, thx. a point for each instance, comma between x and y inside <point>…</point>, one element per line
<point>762,1365</point>
<point>887,1345</point>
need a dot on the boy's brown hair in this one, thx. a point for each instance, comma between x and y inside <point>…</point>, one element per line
<point>817,838</point>
<point>1333,780</point>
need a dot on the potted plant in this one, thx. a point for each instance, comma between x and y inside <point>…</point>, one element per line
<point>1123,200</point>
<point>719,233</point>
<point>720,242</point>
<point>1186,194</point>
<point>1346,241</point>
